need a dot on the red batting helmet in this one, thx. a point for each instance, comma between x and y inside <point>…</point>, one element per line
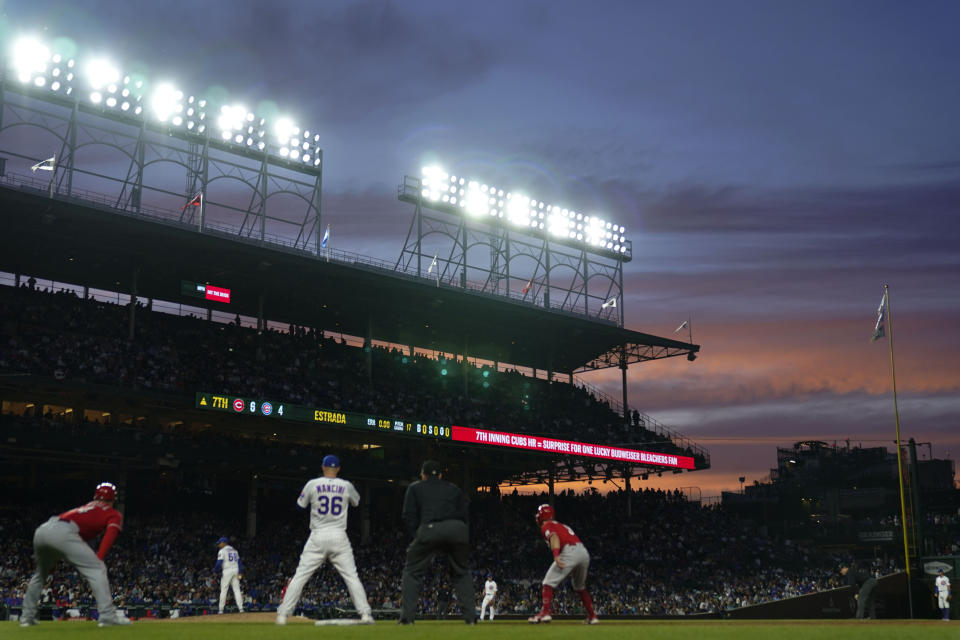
<point>544,513</point>
<point>106,491</point>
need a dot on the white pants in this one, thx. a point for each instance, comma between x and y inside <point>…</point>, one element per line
<point>230,580</point>
<point>320,547</point>
<point>943,604</point>
<point>487,600</point>
<point>576,561</point>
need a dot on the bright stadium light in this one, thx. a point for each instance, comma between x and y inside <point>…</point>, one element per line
<point>109,87</point>
<point>30,57</point>
<point>283,128</point>
<point>166,101</point>
<point>559,223</point>
<point>459,195</point>
<point>232,117</point>
<point>518,210</point>
<point>101,74</point>
<point>474,201</point>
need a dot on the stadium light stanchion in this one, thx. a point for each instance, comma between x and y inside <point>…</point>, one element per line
<point>498,207</point>
<point>103,88</point>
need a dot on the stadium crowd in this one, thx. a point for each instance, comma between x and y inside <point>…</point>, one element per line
<point>72,339</point>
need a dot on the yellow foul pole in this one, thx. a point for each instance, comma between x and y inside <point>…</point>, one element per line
<point>896,417</point>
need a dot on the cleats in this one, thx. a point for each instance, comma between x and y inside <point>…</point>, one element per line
<point>540,617</point>
<point>116,620</point>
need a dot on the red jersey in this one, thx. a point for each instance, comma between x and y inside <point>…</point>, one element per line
<point>565,533</point>
<point>93,518</point>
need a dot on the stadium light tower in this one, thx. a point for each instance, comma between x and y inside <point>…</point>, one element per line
<point>482,202</point>
<point>577,257</point>
<point>93,90</point>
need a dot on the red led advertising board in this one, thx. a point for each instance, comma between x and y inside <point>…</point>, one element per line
<point>218,294</point>
<point>553,445</point>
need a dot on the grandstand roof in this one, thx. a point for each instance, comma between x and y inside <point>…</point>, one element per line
<point>80,242</point>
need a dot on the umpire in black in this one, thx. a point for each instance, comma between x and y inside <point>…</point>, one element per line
<point>435,514</point>
<point>865,583</point>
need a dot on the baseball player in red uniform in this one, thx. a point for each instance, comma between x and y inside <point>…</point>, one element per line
<point>65,536</point>
<point>570,558</point>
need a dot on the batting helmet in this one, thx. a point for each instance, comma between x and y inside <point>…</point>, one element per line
<point>105,491</point>
<point>544,513</point>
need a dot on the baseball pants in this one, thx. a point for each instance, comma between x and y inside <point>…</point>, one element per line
<point>320,547</point>
<point>56,539</point>
<point>943,604</point>
<point>576,561</point>
<point>866,603</point>
<point>226,581</point>
<point>487,600</point>
<point>451,538</point>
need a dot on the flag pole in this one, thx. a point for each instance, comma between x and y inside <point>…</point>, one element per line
<point>53,173</point>
<point>690,329</point>
<point>896,419</point>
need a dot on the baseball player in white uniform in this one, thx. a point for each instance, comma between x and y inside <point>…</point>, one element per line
<point>489,593</point>
<point>941,588</point>
<point>228,561</point>
<point>328,498</point>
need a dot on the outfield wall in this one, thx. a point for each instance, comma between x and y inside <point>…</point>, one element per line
<point>891,600</point>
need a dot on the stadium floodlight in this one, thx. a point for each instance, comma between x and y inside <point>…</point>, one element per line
<point>166,101</point>
<point>104,85</point>
<point>30,58</point>
<point>101,74</point>
<point>284,129</point>
<point>458,195</point>
<point>474,201</point>
<point>232,121</point>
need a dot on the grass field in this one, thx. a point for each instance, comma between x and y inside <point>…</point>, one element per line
<point>255,627</point>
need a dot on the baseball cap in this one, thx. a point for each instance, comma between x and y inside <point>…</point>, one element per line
<point>431,468</point>
<point>221,540</point>
<point>331,461</point>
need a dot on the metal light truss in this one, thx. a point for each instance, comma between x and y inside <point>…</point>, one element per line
<point>498,207</point>
<point>573,279</point>
<point>636,352</point>
<point>145,158</point>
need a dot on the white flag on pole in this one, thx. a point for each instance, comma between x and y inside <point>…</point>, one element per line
<point>878,329</point>
<point>326,236</point>
<point>612,302</point>
<point>45,165</point>
<point>433,264</point>
<point>683,325</point>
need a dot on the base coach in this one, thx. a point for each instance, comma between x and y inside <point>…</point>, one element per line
<point>435,514</point>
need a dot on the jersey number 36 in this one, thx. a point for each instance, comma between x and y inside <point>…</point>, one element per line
<point>326,504</point>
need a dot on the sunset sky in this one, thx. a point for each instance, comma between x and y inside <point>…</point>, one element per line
<point>774,163</point>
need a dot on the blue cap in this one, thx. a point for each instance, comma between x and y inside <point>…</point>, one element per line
<point>331,461</point>
<point>221,540</point>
